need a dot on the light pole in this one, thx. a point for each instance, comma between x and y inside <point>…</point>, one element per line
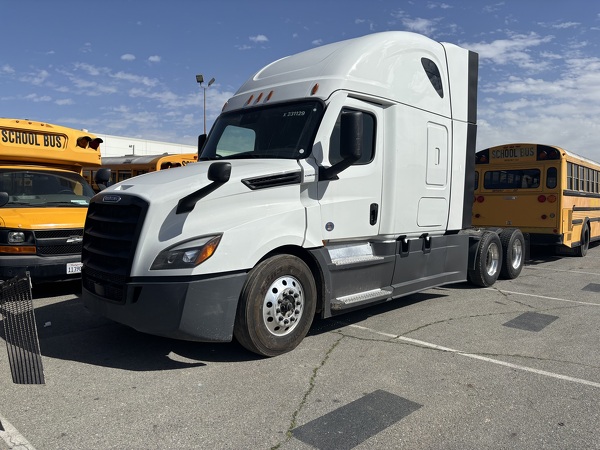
<point>200,80</point>
<point>132,147</point>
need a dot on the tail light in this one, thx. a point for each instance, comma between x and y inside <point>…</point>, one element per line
<point>541,198</point>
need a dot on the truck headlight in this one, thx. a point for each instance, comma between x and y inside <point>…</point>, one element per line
<point>186,254</point>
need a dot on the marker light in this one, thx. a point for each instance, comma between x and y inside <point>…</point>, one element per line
<point>314,89</point>
<point>551,198</point>
<point>18,249</point>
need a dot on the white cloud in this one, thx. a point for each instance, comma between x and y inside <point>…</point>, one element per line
<point>64,102</point>
<point>6,69</point>
<point>513,50</point>
<point>317,42</point>
<point>135,79</point>
<point>566,25</point>
<point>418,24</point>
<point>154,59</point>
<point>35,78</point>
<point>92,70</point>
<point>260,38</point>
<point>127,57</point>
<point>38,98</point>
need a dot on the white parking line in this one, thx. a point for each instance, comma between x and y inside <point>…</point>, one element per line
<point>561,270</point>
<point>481,358</point>
<point>543,296</point>
<point>12,437</point>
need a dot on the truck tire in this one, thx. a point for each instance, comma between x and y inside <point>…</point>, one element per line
<point>584,242</point>
<point>277,306</point>
<point>513,253</point>
<point>488,261</point>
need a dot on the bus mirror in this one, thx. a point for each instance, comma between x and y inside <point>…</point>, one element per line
<point>201,142</point>
<point>3,198</point>
<point>102,177</point>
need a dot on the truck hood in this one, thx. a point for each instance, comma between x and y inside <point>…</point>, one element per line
<point>173,184</point>
<point>42,218</point>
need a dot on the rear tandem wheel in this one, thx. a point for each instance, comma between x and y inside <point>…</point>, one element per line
<point>488,260</point>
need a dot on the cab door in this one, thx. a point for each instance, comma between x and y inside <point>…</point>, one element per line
<point>351,204</point>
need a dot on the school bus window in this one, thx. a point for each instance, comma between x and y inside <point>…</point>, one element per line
<point>512,179</point>
<point>570,176</point>
<point>476,180</point>
<point>123,175</point>
<point>551,177</point>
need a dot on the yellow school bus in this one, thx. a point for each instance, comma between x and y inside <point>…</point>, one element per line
<point>549,193</point>
<point>124,167</point>
<point>43,198</point>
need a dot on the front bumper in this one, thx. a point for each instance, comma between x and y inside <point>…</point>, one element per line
<point>201,310</point>
<point>41,269</point>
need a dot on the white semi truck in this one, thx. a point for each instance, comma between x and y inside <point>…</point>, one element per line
<point>335,178</point>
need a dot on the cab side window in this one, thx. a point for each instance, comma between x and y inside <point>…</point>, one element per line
<point>368,143</point>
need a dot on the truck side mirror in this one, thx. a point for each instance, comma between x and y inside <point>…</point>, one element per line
<point>351,137</point>
<point>102,177</point>
<point>219,173</point>
<point>3,198</point>
<point>201,142</point>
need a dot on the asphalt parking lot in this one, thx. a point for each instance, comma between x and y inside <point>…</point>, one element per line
<point>513,366</point>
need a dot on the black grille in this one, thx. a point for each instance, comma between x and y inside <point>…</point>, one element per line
<point>58,242</point>
<point>109,241</point>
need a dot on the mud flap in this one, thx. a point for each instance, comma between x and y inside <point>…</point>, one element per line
<point>20,331</point>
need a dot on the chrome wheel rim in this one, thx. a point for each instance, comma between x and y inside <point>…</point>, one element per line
<point>283,305</point>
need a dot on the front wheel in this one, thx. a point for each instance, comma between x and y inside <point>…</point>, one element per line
<point>488,261</point>
<point>277,306</point>
<point>513,253</point>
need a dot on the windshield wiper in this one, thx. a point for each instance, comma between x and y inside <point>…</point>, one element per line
<point>65,203</point>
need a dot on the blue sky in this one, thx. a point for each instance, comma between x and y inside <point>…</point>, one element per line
<point>128,67</point>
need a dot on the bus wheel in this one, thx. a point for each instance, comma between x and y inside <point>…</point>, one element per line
<point>513,253</point>
<point>488,261</point>
<point>277,306</point>
<point>584,243</point>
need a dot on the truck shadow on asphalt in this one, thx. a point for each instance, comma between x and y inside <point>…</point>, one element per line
<point>68,331</point>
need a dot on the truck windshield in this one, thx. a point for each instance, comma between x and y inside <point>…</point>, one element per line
<point>44,188</point>
<point>284,131</point>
